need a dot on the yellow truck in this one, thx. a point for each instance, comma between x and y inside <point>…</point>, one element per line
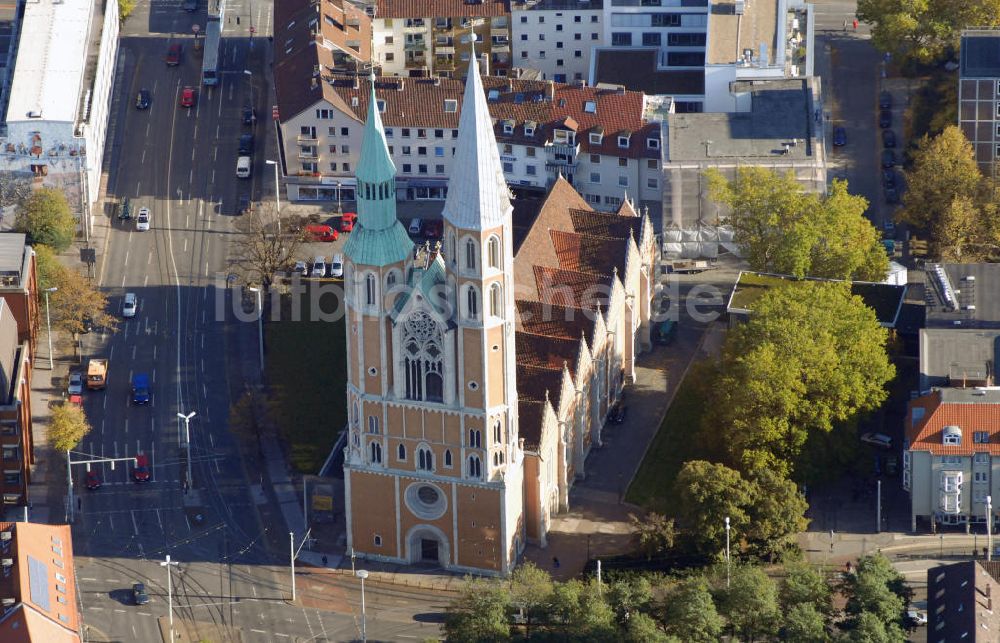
<point>97,374</point>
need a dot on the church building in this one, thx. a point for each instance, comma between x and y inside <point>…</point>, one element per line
<point>480,370</point>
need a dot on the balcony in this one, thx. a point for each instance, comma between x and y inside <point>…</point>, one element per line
<point>444,49</point>
<point>444,63</point>
<point>416,63</point>
<point>306,138</point>
<point>308,155</point>
<point>447,27</point>
<point>415,45</point>
<point>499,31</point>
<point>421,28</point>
<point>562,153</point>
<point>500,47</point>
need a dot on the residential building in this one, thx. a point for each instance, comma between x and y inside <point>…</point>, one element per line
<point>55,104</point>
<point>38,595</point>
<point>963,295</point>
<point>320,38</point>
<point>16,441</point>
<point>979,95</point>
<point>677,27</point>
<point>776,128</point>
<point>19,286</point>
<point>431,38</point>
<point>960,602</point>
<point>480,370</point>
<point>556,37</point>
<point>639,69</point>
<point>600,139</point>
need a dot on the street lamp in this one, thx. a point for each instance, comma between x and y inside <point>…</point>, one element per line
<point>340,210</point>
<point>170,596</point>
<point>260,326</point>
<point>727,552</point>
<point>187,442</point>
<point>363,574</point>
<point>277,193</point>
<point>989,528</point>
<point>48,322</point>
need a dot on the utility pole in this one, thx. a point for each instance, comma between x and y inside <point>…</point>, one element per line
<point>293,554</point>
<point>989,528</point>
<point>727,553</point>
<point>170,595</point>
<point>69,475</point>
<point>878,507</point>
<point>48,322</point>
<point>187,443</point>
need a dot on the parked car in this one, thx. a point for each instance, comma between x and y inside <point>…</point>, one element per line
<point>839,136</point>
<point>130,305</point>
<point>347,221</point>
<point>885,119</point>
<point>76,400</point>
<point>916,617</point>
<point>665,332</point>
<point>336,266</point>
<point>187,97</point>
<point>880,440</point>
<point>143,99</point>
<point>246,144</point>
<point>885,100</point>
<point>889,178</point>
<point>75,386</point>
<point>249,115</point>
<point>93,480</point>
<point>140,389</point>
<point>891,196</point>
<point>125,209</point>
<point>143,220</point>
<point>888,158</point>
<point>139,595</point>
<point>300,267</point>
<point>318,267</point>
<point>433,230</point>
<point>617,415</point>
<point>321,232</point>
<point>888,138</point>
<point>416,226</point>
<point>140,472</point>
<point>174,54</point>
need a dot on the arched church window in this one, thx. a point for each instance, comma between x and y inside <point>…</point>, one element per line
<point>452,255</point>
<point>493,252</point>
<point>401,452</point>
<point>496,300</point>
<point>470,254</point>
<point>370,289</point>
<point>376,453</point>
<point>423,358</point>
<point>498,432</point>
<point>425,459</point>
<point>472,303</point>
<point>475,467</point>
<point>475,439</point>
<point>447,458</point>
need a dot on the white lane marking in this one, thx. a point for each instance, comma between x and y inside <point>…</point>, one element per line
<point>142,161</point>
<point>135,524</point>
<point>204,391</point>
<point>133,352</point>
<point>89,579</point>
<point>126,425</point>
<point>111,353</point>
<point>203,340</point>
<point>102,420</point>
<point>203,312</point>
<point>251,629</point>
<point>188,523</point>
<point>154,370</point>
<point>123,281</point>
<point>185,245</point>
<point>254,589</point>
<point>202,365</point>
<point>187,221</point>
<point>138,185</point>
<point>154,359</point>
<point>149,259</point>
<point>281,635</point>
<point>191,173</point>
<point>147,131</point>
<point>211,439</point>
<point>217,133</point>
<point>152,468</point>
<point>105,403</point>
<point>158,519</point>
<point>215,157</point>
<point>127,251</point>
<point>145,281</point>
<point>217,469</point>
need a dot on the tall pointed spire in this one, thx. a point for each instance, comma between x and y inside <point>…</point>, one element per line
<point>379,239</point>
<point>478,197</point>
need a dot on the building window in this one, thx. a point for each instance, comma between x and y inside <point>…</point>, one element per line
<point>577,53</point>
<point>370,291</point>
<point>653,143</point>
<point>982,458</point>
<point>406,132</point>
<point>593,36</point>
<point>577,18</point>
<point>470,254</point>
<point>439,169</point>
<point>623,180</point>
<point>333,167</point>
<point>497,432</point>
<point>439,133</point>
<point>595,177</point>
<point>524,36</point>
<point>980,477</point>
<point>375,451</point>
<point>621,39</point>
<point>401,453</point>
<point>423,358</point>
<point>652,183</point>
<point>952,436</point>
<point>475,467</point>
<point>593,18</point>
<point>447,458</point>
<point>373,424</point>
<point>378,540</point>
<point>651,39</point>
<point>344,131</point>
<point>425,459</point>
<point>530,151</point>
<point>346,167</point>
<point>622,161</point>
<point>496,300</point>
<point>407,168</point>
<point>422,168</point>
<point>472,303</point>
<point>524,20</point>
<point>524,54</point>
<point>595,158</point>
<point>622,141</point>
<point>529,170</point>
<point>421,133</point>
<point>421,151</point>
<point>981,437</point>
<point>475,439</point>
<point>493,252</point>
<point>439,152</point>
<point>508,167</point>
<point>651,164</point>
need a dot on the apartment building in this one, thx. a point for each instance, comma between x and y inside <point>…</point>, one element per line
<point>318,37</point>
<point>54,105</point>
<point>960,602</point>
<point>979,95</point>
<point>599,139</point>
<point>38,593</point>
<point>556,37</point>
<point>19,286</point>
<point>679,28</point>
<point>431,37</point>
<point>16,443</point>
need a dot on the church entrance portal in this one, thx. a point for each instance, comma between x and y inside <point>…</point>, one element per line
<point>428,550</point>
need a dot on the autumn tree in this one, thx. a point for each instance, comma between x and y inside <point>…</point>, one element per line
<point>46,218</point>
<point>707,493</point>
<point>261,248</point>
<point>783,229</point>
<point>750,604</point>
<point>689,612</point>
<point>67,426</point>
<point>480,614</point>
<point>75,300</point>
<point>654,534</point>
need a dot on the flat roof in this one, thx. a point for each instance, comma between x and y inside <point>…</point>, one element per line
<point>51,60</point>
<point>638,68</point>
<point>957,354</point>
<point>979,54</point>
<point>11,252</point>
<point>781,113</point>
<point>730,33</point>
<point>963,295</point>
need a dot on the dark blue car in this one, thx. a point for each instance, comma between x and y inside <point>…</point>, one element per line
<point>839,136</point>
<point>140,388</point>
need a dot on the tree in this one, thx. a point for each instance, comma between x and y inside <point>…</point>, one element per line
<point>689,613</point>
<point>751,604</point>
<point>260,251</point>
<point>67,427</point>
<point>531,590</point>
<point>578,612</point>
<point>480,614</point>
<point>641,628</point>
<point>654,535</point>
<point>811,354</point>
<point>804,624</point>
<point>46,218</point>
<point>876,588</point>
<point>627,597</point>
<point>125,9</point>
<point>868,628</point>
<point>803,584</point>
<point>253,415</point>
<point>708,493</point>
<point>15,187</point>
<point>75,300</point>
<point>777,512</point>
<point>783,229</point>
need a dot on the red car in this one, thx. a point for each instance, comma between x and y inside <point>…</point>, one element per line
<point>76,399</point>
<point>140,473</point>
<point>187,97</point>
<point>93,480</point>
<point>318,232</point>
<point>347,221</point>
<point>433,230</point>
<point>173,55</point>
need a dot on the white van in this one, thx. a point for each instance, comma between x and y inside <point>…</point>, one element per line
<point>129,305</point>
<point>416,225</point>
<point>243,167</point>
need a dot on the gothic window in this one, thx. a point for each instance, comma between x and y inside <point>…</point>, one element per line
<point>370,289</point>
<point>401,452</point>
<point>376,452</point>
<point>472,303</point>
<point>451,248</point>
<point>496,300</point>
<point>493,252</point>
<point>498,458</point>
<point>475,438</point>
<point>475,467</point>
<point>425,459</point>
<point>447,458</point>
<point>372,424</point>
<point>390,279</point>
<point>470,254</point>
<point>354,412</point>
<point>423,358</point>
<point>497,432</point>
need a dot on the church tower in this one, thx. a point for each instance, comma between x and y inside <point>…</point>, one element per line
<point>433,467</point>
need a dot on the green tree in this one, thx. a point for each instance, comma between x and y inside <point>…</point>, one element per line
<point>689,613</point>
<point>46,218</point>
<point>869,628</point>
<point>803,623</point>
<point>811,354</point>
<point>876,589</point>
<point>578,612</point>
<point>125,9</point>
<point>641,628</point>
<point>653,534</point>
<point>777,512</point>
<point>627,597</point>
<point>847,245</point>
<point>751,604</point>
<point>804,584</point>
<point>479,614</point>
<point>67,426</point>
<point>708,493</point>
<point>531,591</point>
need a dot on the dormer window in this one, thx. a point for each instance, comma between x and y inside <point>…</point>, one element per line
<point>952,436</point>
<point>981,437</point>
<point>450,105</point>
<point>381,105</point>
<point>596,138</point>
<point>653,143</point>
<point>529,129</point>
<point>623,141</point>
<point>590,107</point>
<point>508,127</point>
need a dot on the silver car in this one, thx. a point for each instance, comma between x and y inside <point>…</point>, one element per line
<point>75,384</point>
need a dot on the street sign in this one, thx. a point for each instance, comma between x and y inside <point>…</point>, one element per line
<point>253,29</point>
<point>195,29</point>
<point>274,112</point>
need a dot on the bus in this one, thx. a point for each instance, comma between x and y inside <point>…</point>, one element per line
<point>210,61</point>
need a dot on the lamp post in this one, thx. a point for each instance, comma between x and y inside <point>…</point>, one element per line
<point>48,322</point>
<point>363,574</point>
<point>727,552</point>
<point>340,210</point>
<point>170,596</point>
<point>260,326</point>
<point>989,528</point>
<point>187,443</point>
<point>277,193</point>
<point>293,554</point>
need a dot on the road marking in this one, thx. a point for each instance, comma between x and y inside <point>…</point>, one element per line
<point>126,425</point>
<point>133,352</point>
<point>95,609</point>
<point>120,611</point>
<point>102,420</point>
<point>254,589</point>
<point>191,174</point>
<point>149,259</point>
<point>89,579</point>
<point>203,337</point>
<point>142,553</point>
<point>154,359</point>
<point>185,245</point>
<point>123,281</point>
<point>137,186</point>
<point>217,135</point>
<point>145,281</point>
<point>281,635</point>
<point>135,525</point>
<point>204,391</point>
<point>127,251</point>
<point>142,614</point>
<point>188,523</point>
<point>111,353</point>
<point>154,370</point>
<point>105,404</point>
<point>160,522</point>
<point>217,469</point>
<point>202,365</point>
<point>256,631</point>
<point>203,312</point>
<point>211,439</point>
<point>187,221</point>
<point>142,161</point>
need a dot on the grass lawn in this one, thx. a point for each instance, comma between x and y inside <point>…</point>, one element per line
<point>673,445</point>
<point>307,371</point>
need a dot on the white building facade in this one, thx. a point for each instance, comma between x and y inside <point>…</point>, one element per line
<point>556,36</point>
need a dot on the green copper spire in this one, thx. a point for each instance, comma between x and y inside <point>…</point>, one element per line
<point>379,238</point>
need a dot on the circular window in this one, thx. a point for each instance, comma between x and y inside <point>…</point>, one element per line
<point>473,386</point>
<point>426,501</point>
<point>373,371</point>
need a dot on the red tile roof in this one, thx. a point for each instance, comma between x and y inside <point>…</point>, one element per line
<point>440,9</point>
<point>939,411</point>
<point>553,320</point>
<point>586,253</point>
<point>571,288</point>
<point>603,224</point>
<point>530,414</point>
<point>546,351</point>
<point>539,383</point>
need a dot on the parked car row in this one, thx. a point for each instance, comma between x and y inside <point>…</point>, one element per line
<point>320,268</point>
